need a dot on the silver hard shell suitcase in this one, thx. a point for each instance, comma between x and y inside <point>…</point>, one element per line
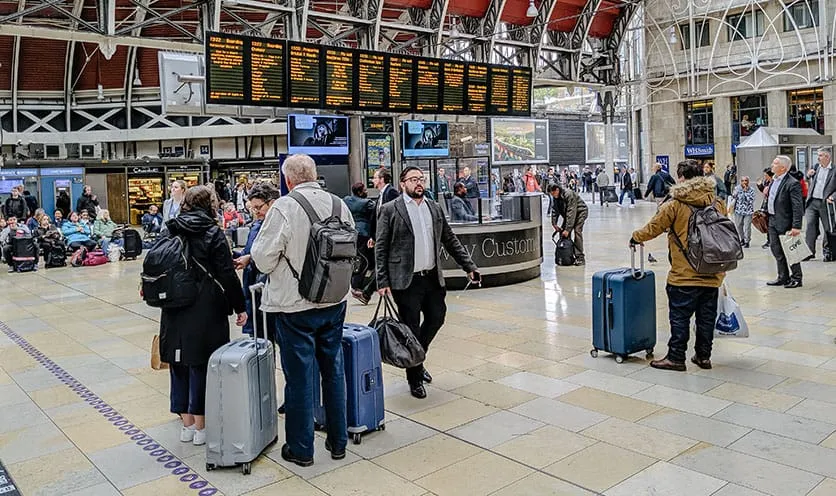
<point>241,418</point>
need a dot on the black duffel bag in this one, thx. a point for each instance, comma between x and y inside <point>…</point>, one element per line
<point>398,345</point>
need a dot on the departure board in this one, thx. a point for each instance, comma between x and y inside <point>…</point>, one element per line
<point>500,95</point>
<point>305,78</point>
<point>427,84</point>
<point>477,88</point>
<point>225,68</point>
<point>521,91</point>
<point>267,86</point>
<point>371,80</point>
<point>401,78</point>
<point>452,87</point>
<point>339,77</point>
<point>244,70</point>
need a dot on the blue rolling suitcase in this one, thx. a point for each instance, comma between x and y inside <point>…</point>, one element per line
<point>624,310</point>
<point>363,383</point>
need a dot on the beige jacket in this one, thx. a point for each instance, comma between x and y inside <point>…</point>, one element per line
<point>285,232</point>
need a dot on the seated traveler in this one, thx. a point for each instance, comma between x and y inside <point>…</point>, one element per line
<point>59,219</point>
<point>460,208</point>
<point>35,221</point>
<point>12,228</point>
<point>152,222</point>
<point>48,235</point>
<point>77,233</point>
<point>103,229</point>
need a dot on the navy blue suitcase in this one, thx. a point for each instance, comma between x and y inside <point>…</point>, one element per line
<point>624,311</point>
<point>363,383</point>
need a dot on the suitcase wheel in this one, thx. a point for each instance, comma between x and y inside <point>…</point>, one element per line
<point>593,353</point>
<point>246,468</point>
<point>649,353</point>
<point>619,359</point>
<point>382,427</point>
<point>357,438</point>
<point>210,467</point>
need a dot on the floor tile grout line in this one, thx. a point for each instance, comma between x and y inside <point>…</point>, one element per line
<point>177,467</point>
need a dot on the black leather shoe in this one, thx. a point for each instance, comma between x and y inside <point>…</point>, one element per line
<point>778,282</point>
<point>426,377</point>
<point>418,391</point>
<point>666,364</point>
<point>335,455</point>
<point>793,284</point>
<point>282,409</point>
<point>290,457</point>
<point>701,363</point>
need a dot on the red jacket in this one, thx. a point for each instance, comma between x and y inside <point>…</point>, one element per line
<point>231,216</point>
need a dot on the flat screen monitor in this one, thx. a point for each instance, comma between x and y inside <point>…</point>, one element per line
<point>6,185</point>
<point>425,139</point>
<point>317,134</point>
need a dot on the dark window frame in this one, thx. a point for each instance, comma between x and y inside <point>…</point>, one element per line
<point>734,23</point>
<point>699,122</point>
<point>703,30</point>
<point>801,12</point>
<point>757,115</point>
<point>799,106</point>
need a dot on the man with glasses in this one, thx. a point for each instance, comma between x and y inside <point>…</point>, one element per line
<point>821,192</point>
<point>410,234</point>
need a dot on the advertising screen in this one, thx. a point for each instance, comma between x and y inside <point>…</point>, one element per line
<point>425,139</point>
<point>317,134</point>
<point>519,141</point>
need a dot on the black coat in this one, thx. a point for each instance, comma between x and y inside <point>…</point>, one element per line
<point>789,206</point>
<point>16,207</point>
<point>197,331</point>
<point>86,202</point>
<point>62,203</point>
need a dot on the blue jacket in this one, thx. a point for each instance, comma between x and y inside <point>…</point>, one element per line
<point>249,276</point>
<point>149,221</point>
<point>71,233</point>
<point>362,210</point>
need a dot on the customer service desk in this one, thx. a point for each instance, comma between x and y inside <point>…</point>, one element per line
<point>506,244</point>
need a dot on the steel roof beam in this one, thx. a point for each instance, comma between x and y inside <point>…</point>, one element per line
<point>83,36</point>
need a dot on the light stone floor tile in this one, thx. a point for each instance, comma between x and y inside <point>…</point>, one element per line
<point>606,363</point>
<point>608,382</point>
<point>449,380</point>
<point>404,404</point>
<point>11,394</point>
<point>486,471</point>
<point>56,473</point>
<point>558,371</point>
<point>143,468</point>
<point>826,488</point>
<point>793,357</point>
<point>585,468</point>
<point>695,427</point>
<point>495,394</point>
<point>641,439</point>
<point>830,442</point>
<point>230,482</point>
<point>748,471</point>
<point>322,460</point>
<point>738,376</point>
<point>610,404</point>
<point>678,380</point>
<point>735,490</point>
<point>755,397</point>
<point>426,456</point>
<point>294,486</point>
<point>560,414</point>
<point>539,484</point>
<point>664,478</point>
<point>538,384</point>
<point>682,400</point>
<point>33,442</point>
<point>798,454</point>
<point>544,446</point>
<point>103,489</point>
<point>495,429</point>
<point>399,433</point>
<point>491,371</point>
<point>94,435</point>
<point>168,485</point>
<point>452,414</point>
<point>782,424</point>
<point>807,389</point>
<point>356,479</point>
<point>21,416</point>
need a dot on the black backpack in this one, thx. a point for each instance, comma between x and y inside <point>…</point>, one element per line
<point>329,259</point>
<point>564,251</point>
<point>713,243</point>
<point>168,276</point>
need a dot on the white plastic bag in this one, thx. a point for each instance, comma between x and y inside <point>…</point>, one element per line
<point>114,253</point>
<point>795,248</point>
<point>730,321</point>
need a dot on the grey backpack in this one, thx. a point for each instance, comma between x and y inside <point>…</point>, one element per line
<point>329,259</point>
<point>713,243</point>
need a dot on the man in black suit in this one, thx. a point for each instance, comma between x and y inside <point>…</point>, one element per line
<point>411,232</point>
<point>785,205</point>
<point>821,191</point>
<point>382,180</point>
<point>460,208</point>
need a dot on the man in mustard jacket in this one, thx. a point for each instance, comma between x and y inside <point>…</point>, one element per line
<point>689,293</point>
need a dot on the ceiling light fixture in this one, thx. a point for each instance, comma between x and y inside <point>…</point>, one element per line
<point>532,9</point>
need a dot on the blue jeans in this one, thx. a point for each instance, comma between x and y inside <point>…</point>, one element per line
<point>304,337</point>
<point>106,243</point>
<point>684,302</point>
<point>627,192</point>
<point>188,388</point>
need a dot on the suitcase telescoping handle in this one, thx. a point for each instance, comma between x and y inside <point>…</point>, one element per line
<point>258,288</point>
<point>637,274</point>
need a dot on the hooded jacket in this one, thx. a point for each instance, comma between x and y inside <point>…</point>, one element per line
<point>197,331</point>
<point>673,217</point>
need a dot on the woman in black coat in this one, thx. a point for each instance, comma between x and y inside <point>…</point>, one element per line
<point>189,336</point>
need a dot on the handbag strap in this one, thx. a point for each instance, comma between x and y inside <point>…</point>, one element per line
<point>390,307</point>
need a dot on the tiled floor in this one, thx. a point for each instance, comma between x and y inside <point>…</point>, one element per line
<point>518,407</point>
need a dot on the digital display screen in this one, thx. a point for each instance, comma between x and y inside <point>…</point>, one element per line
<point>305,75</point>
<point>519,141</point>
<point>452,90</point>
<point>267,72</point>
<point>371,80</point>
<point>317,134</point>
<point>339,77</point>
<point>425,139</point>
<point>225,68</point>
<point>249,71</point>
<point>401,77</point>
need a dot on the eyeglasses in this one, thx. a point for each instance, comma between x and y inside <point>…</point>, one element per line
<point>257,207</point>
<point>416,179</point>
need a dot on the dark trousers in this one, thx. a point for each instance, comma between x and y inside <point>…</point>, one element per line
<point>304,337</point>
<point>683,303</point>
<point>628,192</point>
<point>360,280</point>
<point>780,258</point>
<point>817,214</point>
<point>423,296</point>
<point>188,388</point>
<point>89,244</point>
<point>577,234</point>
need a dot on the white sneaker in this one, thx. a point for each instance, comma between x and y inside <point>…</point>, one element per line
<point>199,437</point>
<point>632,206</point>
<point>187,434</point>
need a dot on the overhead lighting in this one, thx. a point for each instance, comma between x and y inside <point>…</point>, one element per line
<point>137,81</point>
<point>532,9</point>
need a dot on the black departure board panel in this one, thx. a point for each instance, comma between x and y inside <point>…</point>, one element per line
<point>401,79</point>
<point>243,70</point>
<point>339,77</point>
<point>371,80</point>
<point>453,84</point>
<point>305,75</point>
<point>477,88</point>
